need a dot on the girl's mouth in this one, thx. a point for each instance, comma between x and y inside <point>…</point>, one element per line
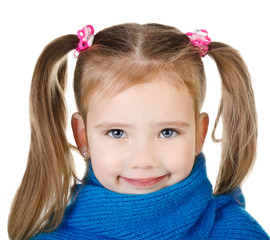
<point>144,182</point>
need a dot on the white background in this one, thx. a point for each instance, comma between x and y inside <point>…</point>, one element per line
<point>27,26</point>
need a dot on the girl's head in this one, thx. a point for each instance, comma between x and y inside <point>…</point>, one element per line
<point>139,90</point>
<point>139,107</point>
<point>142,139</point>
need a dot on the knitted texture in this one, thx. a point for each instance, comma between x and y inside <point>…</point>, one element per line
<point>186,210</point>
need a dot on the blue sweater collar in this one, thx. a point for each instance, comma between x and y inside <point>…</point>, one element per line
<point>102,214</point>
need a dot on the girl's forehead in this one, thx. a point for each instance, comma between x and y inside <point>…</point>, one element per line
<point>158,98</point>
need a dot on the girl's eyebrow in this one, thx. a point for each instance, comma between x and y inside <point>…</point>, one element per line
<point>179,124</point>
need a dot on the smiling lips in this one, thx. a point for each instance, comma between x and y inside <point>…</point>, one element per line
<point>144,182</point>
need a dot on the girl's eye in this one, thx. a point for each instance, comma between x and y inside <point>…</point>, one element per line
<point>116,133</point>
<point>168,133</point>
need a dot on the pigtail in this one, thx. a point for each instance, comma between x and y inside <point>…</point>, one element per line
<point>239,118</point>
<point>44,192</point>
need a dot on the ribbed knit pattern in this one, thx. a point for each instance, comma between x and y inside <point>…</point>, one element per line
<point>186,210</point>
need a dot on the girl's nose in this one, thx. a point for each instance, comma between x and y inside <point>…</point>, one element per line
<point>144,157</point>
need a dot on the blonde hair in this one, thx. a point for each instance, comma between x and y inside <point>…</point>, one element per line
<point>122,56</point>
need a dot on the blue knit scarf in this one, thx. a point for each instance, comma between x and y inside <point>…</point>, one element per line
<point>186,210</point>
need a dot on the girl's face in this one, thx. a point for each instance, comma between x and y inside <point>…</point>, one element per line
<point>143,139</point>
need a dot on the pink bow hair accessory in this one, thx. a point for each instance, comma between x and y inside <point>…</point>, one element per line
<point>201,40</point>
<point>86,36</point>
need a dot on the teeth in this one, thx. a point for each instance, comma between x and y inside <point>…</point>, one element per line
<point>144,182</point>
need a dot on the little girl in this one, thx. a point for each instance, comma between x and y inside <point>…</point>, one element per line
<point>139,90</point>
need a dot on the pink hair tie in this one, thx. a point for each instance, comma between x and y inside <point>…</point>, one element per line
<point>201,40</point>
<point>86,36</point>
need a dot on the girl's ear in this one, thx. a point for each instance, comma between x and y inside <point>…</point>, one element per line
<point>202,130</point>
<point>79,132</point>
